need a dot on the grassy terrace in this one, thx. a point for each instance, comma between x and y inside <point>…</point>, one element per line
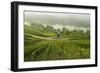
<point>43,44</point>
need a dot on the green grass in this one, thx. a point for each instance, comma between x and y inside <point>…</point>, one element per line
<point>65,48</point>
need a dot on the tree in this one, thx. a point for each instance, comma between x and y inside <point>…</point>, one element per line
<point>58,32</point>
<point>49,28</point>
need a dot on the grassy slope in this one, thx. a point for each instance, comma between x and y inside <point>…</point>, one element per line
<point>38,49</point>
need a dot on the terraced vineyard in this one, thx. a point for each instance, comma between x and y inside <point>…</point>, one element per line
<point>43,44</point>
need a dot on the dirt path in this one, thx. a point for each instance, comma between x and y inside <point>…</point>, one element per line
<point>46,38</point>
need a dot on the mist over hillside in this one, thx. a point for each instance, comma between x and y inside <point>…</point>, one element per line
<point>78,20</point>
<point>56,36</point>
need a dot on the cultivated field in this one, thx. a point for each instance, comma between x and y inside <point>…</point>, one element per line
<point>46,43</point>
